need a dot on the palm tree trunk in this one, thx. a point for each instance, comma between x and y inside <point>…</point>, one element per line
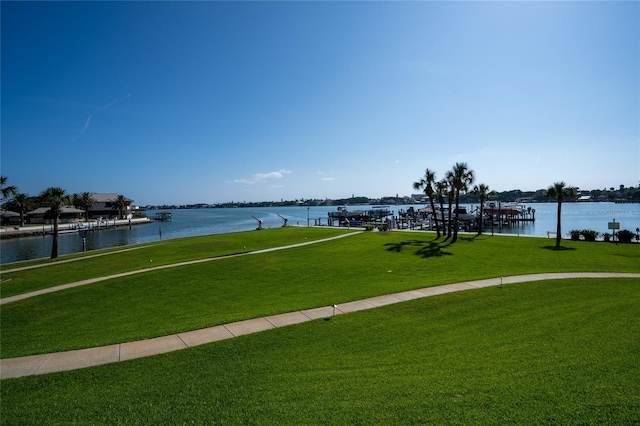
<point>449,216</point>
<point>455,224</point>
<point>54,244</point>
<point>558,231</point>
<point>435,216</point>
<point>481,213</point>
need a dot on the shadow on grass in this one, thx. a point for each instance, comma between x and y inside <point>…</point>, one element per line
<point>426,249</point>
<point>561,248</point>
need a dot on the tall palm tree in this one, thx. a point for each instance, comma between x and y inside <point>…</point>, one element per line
<point>481,191</point>
<point>120,203</point>
<point>560,192</point>
<point>6,191</point>
<point>56,198</point>
<point>84,201</point>
<point>461,178</point>
<point>426,183</point>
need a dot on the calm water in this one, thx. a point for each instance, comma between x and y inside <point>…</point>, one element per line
<point>187,223</point>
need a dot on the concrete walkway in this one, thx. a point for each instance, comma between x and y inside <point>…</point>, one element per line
<point>70,360</point>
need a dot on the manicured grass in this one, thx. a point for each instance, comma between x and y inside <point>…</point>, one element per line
<point>557,352</point>
<point>124,259</point>
<point>190,297</point>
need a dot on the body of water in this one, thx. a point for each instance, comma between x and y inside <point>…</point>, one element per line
<point>188,223</point>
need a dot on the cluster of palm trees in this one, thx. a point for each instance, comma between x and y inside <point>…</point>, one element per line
<point>56,199</point>
<point>459,180</point>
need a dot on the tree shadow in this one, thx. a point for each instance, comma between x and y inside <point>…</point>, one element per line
<point>554,248</point>
<point>425,249</point>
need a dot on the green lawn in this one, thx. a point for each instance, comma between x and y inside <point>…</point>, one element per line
<point>131,258</point>
<point>163,302</point>
<point>555,352</point>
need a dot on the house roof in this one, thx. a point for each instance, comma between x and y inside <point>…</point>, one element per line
<point>107,198</point>
<point>8,213</point>
<point>43,210</point>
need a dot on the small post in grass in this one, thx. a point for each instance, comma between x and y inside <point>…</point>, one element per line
<point>500,282</point>
<point>334,306</point>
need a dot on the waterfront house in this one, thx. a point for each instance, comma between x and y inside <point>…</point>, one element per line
<point>104,207</point>
<point>9,217</point>
<point>42,215</point>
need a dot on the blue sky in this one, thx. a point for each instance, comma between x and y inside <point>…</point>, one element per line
<point>188,102</point>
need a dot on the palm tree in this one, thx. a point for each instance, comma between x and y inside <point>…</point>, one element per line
<point>481,191</point>
<point>426,183</point>
<point>6,191</point>
<point>84,201</point>
<point>56,198</point>
<point>560,191</point>
<point>22,203</point>
<point>461,178</point>
<point>120,203</point>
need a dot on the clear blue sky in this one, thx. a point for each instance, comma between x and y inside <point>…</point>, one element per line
<point>187,102</point>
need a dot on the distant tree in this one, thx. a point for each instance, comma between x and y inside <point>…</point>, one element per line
<point>560,192</point>
<point>21,203</point>
<point>120,203</point>
<point>461,177</point>
<point>426,184</point>
<point>6,191</point>
<point>56,199</point>
<point>481,191</point>
<point>84,201</point>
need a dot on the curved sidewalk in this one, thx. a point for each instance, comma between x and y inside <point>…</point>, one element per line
<point>71,360</point>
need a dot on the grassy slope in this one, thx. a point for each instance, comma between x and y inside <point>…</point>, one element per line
<point>558,352</point>
<point>190,297</point>
<point>113,261</point>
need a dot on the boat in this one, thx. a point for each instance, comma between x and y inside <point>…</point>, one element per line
<point>507,209</point>
<point>66,231</point>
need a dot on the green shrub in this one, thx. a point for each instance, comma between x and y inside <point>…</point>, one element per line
<point>575,234</point>
<point>589,234</point>
<point>606,236</point>
<point>368,227</point>
<point>625,236</point>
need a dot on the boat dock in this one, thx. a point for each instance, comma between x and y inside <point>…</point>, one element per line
<point>498,213</point>
<point>374,216</point>
<point>163,217</point>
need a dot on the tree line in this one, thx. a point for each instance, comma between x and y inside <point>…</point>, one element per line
<point>457,181</point>
<point>56,199</point>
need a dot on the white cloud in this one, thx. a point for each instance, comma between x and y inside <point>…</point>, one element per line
<point>327,178</point>
<point>90,116</point>
<point>259,177</point>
